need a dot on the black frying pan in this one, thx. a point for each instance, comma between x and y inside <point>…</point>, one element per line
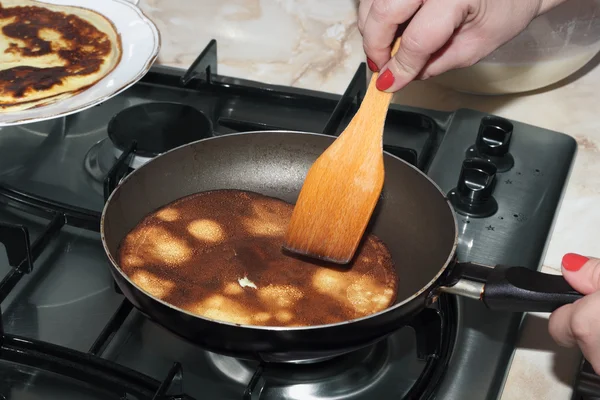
<point>413,218</point>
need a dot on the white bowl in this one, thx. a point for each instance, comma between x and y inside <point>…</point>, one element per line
<point>553,47</point>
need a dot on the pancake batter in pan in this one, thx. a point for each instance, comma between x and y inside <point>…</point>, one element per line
<point>218,254</point>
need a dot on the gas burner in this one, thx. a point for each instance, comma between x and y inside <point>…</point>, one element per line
<point>354,375</point>
<point>156,127</point>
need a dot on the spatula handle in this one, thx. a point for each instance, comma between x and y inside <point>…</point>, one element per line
<point>375,103</point>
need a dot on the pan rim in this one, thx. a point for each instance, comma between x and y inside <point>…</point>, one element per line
<point>407,300</point>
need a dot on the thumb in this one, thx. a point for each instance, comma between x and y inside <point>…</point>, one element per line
<point>428,31</point>
<point>582,273</point>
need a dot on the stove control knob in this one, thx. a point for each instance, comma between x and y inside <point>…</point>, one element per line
<point>494,136</point>
<point>493,142</point>
<point>473,193</point>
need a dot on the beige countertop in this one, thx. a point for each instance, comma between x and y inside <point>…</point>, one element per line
<point>315,45</point>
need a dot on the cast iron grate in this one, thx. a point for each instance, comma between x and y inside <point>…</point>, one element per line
<point>87,367</point>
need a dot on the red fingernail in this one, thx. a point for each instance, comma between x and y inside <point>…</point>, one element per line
<point>385,80</point>
<point>573,262</point>
<point>372,65</point>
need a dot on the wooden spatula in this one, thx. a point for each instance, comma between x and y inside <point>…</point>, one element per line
<point>342,187</point>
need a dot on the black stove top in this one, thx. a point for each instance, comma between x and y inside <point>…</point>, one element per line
<point>67,333</point>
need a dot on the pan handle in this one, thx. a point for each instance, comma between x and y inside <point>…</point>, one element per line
<point>515,289</point>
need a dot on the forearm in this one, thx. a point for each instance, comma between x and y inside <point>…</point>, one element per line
<point>547,5</point>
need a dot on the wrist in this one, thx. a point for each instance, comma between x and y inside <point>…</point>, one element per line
<point>547,5</point>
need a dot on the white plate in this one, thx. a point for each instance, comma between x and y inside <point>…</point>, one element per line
<point>140,41</point>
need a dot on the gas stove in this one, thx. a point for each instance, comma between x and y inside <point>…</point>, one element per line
<point>67,332</point>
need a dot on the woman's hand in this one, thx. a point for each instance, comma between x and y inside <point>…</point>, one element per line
<point>578,324</point>
<point>442,34</point>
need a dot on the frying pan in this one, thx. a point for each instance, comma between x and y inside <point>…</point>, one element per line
<point>413,217</point>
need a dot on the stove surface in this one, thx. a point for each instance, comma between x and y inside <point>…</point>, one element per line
<point>69,334</point>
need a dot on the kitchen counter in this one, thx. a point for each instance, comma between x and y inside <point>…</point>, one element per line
<point>316,45</point>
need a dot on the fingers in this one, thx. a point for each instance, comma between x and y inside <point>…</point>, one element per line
<point>455,54</point>
<point>381,24</point>
<point>582,273</point>
<point>428,32</point>
<point>579,324</point>
<point>363,10</point>
<point>559,326</point>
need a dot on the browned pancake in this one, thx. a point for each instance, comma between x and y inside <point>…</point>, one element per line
<point>218,254</point>
<point>48,52</point>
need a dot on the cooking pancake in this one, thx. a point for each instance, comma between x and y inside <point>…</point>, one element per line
<point>50,52</point>
<point>218,255</point>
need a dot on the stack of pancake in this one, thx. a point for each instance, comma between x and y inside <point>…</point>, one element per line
<point>50,52</point>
